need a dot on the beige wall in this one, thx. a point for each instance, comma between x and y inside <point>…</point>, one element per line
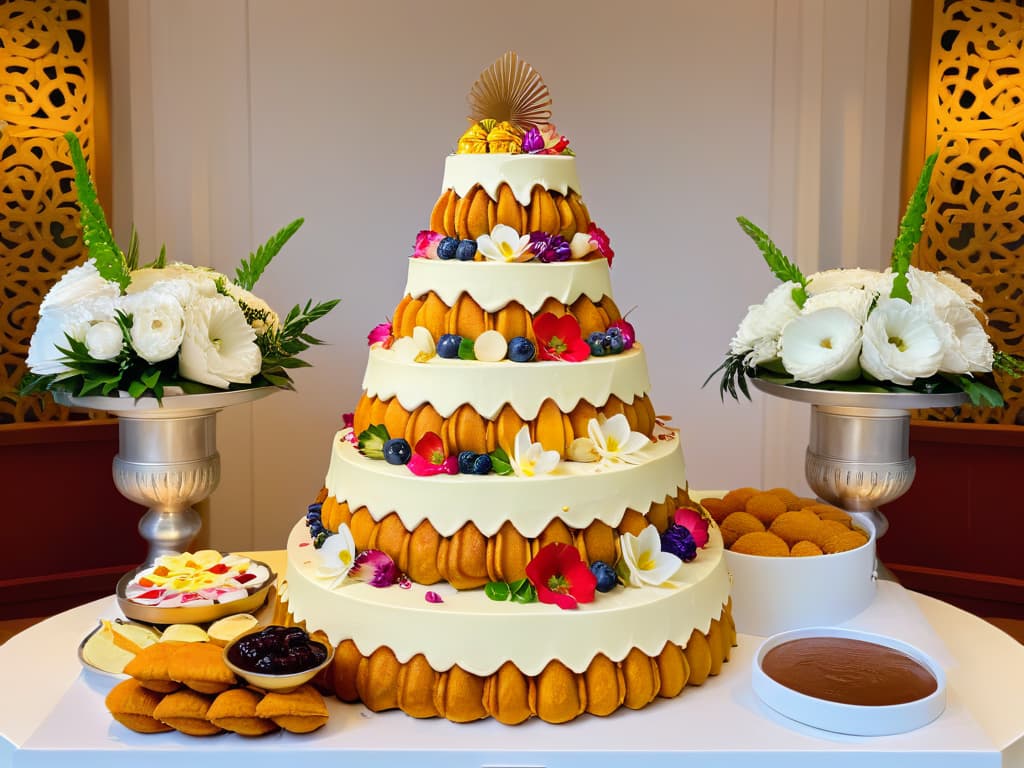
<point>232,118</point>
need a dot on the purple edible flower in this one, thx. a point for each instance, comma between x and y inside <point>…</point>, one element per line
<point>548,248</point>
<point>677,540</point>
<point>533,142</point>
<point>433,597</point>
<point>375,568</point>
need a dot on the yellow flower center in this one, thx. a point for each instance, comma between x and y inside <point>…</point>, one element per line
<point>506,250</point>
<point>897,342</point>
<point>612,444</point>
<point>826,343</point>
<point>646,562</point>
<point>345,557</point>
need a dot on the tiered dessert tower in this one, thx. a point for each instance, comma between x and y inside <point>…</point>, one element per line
<point>505,449</point>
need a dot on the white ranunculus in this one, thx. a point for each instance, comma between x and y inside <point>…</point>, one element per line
<point>61,321</point>
<point>260,314</point>
<point>959,287</point>
<point>822,346</point>
<point>204,280</point>
<point>966,347</point>
<point>104,340</point>
<point>185,292</point>
<point>219,348</point>
<point>158,322</point>
<point>926,287</point>
<point>758,334</point>
<point>902,342</point>
<point>839,279</point>
<point>82,283</point>
<point>856,301</point>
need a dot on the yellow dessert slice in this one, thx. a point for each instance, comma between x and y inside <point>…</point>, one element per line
<point>223,631</point>
<point>115,644</point>
<point>184,633</point>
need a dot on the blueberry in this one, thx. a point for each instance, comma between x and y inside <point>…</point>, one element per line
<point>265,665</point>
<point>466,459</point>
<point>448,346</point>
<point>596,343</point>
<point>314,508</point>
<point>521,350</point>
<point>614,341</point>
<point>466,250</point>
<point>447,247</point>
<point>482,465</point>
<point>397,451</point>
<point>605,575</point>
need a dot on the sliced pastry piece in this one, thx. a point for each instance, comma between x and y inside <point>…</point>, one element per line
<point>185,711</point>
<point>150,667</point>
<point>132,706</point>
<point>301,711</point>
<point>235,711</point>
<point>201,667</point>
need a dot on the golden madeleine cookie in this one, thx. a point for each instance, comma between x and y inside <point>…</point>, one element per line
<point>717,508</point>
<point>843,542</point>
<point>736,499</point>
<point>737,524</point>
<point>828,512</point>
<point>185,711</point>
<point>791,500</point>
<point>765,507</point>
<point>795,526</point>
<point>805,549</point>
<point>301,711</point>
<point>761,543</point>
<point>235,711</point>
<point>826,529</point>
<point>201,667</point>
<point>150,667</point>
<point>132,706</point>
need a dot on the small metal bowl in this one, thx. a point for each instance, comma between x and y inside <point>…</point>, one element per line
<point>276,683</point>
<point>84,659</point>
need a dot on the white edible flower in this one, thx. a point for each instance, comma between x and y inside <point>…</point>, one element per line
<point>581,244</point>
<point>856,301</point>
<point>758,334</point>
<point>902,342</point>
<point>158,323</point>
<point>530,459</point>
<point>840,279</point>
<point>645,562</point>
<point>418,348</point>
<point>611,441</point>
<point>202,279</point>
<point>104,340</point>
<point>822,346</point>
<point>966,347</point>
<point>218,348</point>
<point>76,285</point>
<point>261,316</point>
<point>336,556</point>
<point>504,244</point>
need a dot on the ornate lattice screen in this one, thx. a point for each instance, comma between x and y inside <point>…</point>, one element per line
<point>50,56</point>
<point>975,118</point>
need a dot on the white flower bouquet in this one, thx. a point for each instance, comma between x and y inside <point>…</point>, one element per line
<point>860,330</point>
<point>110,325</point>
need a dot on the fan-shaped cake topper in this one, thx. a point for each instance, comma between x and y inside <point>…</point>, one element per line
<point>510,89</point>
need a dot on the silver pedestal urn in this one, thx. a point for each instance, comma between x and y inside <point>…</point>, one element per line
<point>858,455</point>
<point>167,458</point>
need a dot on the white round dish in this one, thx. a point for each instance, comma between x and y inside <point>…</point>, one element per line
<point>848,718</point>
<point>777,594</point>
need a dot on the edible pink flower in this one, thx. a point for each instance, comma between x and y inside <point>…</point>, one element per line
<point>381,333</point>
<point>433,597</point>
<point>426,244</point>
<point>692,521</point>
<point>429,458</point>
<point>376,568</point>
<point>600,239</point>
<point>348,421</point>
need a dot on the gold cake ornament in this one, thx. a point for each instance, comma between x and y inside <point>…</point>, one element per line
<point>510,90</point>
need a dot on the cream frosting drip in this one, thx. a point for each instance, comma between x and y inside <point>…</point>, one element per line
<point>447,384</point>
<point>493,285</point>
<point>556,173</point>
<point>479,635</point>
<point>577,493</point>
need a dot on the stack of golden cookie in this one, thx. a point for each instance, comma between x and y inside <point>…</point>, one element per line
<point>778,523</point>
<point>187,687</point>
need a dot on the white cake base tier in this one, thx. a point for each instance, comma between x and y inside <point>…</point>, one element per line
<point>479,635</point>
<point>576,493</point>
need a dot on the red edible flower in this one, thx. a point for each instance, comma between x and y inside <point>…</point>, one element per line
<point>218,568</point>
<point>692,521</point>
<point>561,577</point>
<point>559,338</point>
<point>600,239</point>
<point>429,458</point>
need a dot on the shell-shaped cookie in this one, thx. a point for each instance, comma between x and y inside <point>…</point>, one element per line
<point>432,314</point>
<point>347,659</point>
<point>466,318</point>
<point>605,684</point>
<point>377,680</point>
<point>561,695</point>
<point>552,428</point>
<point>416,684</point>
<point>362,525</point>
<point>424,550</point>
<point>698,656</point>
<point>642,679</point>
<point>465,430</point>
<point>543,215</point>
<point>459,696</point>
<point>507,695</point>
<point>424,419</point>
<point>508,553</point>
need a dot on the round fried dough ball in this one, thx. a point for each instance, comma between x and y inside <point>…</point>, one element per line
<point>796,526</point>
<point>737,524</point>
<point>844,542</point>
<point>761,543</point>
<point>790,499</point>
<point>765,507</point>
<point>717,508</point>
<point>736,499</point>
<point>826,529</point>
<point>805,549</point>
<point>826,512</point>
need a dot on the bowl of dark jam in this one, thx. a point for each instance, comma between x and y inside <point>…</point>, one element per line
<point>277,658</point>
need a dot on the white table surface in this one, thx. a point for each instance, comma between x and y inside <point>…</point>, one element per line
<point>52,714</point>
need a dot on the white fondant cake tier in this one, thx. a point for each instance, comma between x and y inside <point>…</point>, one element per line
<point>487,387</point>
<point>556,173</point>
<point>479,635</point>
<point>494,285</point>
<point>577,493</point>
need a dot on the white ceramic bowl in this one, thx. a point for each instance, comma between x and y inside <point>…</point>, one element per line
<point>271,682</point>
<point>848,718</point>
<point>776,594</point>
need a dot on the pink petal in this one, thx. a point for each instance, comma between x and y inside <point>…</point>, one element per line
<point>694,523</point>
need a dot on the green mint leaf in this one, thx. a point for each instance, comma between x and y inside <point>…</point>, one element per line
<point>466,350</point>
<point>500,463</point>
<point>497,591</point>
<point>96,232</point>
<point>910,231</point>
<point>777,262</point>
<point>249,272</point>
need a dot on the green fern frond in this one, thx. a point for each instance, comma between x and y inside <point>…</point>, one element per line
<point>910,231</point>
<point>780,266</point>
<point>249,271</point>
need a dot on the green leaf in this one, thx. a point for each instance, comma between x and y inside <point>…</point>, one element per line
<point>980,393</point>
<point>500,463</point>
<point>466,350</point>
<point>497,590</point>
<point>780,266</point>
<point>372,439</point>
<point>523,591</point>
<point>910,231</point>
<point>96,232</point>
<point>249,272</point>
<point>1011,365</point>
<point>132,257</point>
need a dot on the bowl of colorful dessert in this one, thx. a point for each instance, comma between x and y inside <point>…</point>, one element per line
<point>795,562</point>
<point>194,588</point>
<point>277,658</point>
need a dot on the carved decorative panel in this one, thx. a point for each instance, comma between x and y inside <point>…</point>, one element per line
<point>975,226</point>
<point>47,87</point>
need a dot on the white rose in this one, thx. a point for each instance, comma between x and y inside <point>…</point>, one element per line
<point>758,333</point>
<point>157,324</point>
<point>204,280</point>
<point>79,284</point>
<point>59,322</point>
<point>219,348</point>
<point>822,346</point>
<point>840,279</point>
<point>902,342</point>
<point>855,301</point>
<point>966,346</point>
<point>104,340</point>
